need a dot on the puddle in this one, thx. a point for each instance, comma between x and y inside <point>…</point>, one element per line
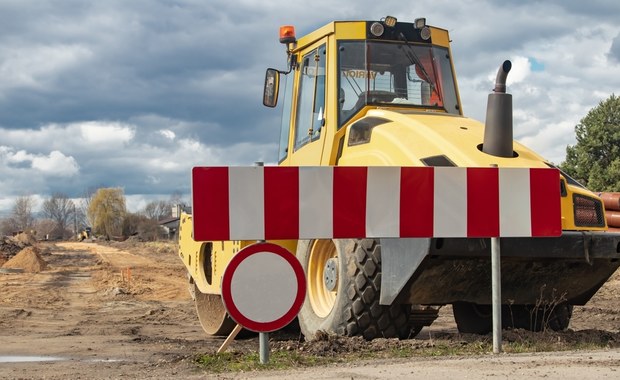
<point>11,270</point>
<point>28,359</point>
<point>41,359</point>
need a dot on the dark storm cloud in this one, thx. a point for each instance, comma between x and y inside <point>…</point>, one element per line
<point>614,51</point>
<point>185,62</point>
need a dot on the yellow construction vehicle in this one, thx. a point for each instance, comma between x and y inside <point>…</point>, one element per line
<point>384,93</point>
<point>86,233</point>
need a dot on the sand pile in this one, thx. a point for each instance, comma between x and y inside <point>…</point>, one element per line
<point>27,259</point>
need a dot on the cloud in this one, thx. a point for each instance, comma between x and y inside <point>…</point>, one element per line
<point>110,155</point>
<point>614,51</point>
<point>521,69</point>
<point>167,134</point>
<point>105,134</point>
<point>36,66</point>
<point>135,93</point>
<point>56,164</point>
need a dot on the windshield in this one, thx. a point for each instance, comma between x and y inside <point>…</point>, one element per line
<point>395,74</point>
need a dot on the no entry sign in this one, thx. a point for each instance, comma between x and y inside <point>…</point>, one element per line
<point>263,287</point>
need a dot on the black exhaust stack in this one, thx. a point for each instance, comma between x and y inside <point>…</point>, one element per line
<point>498,125</point>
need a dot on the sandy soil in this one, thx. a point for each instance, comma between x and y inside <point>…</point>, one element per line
<point>87,309</point>
<point>103,312</point>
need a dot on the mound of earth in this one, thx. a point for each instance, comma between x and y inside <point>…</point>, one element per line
<point>12,245</point>
<point>27,259</point>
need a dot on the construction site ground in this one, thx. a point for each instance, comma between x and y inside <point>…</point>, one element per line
<point>123,311</point>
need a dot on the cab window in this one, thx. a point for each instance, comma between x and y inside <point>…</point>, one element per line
<point>286,118</point>
<point>311,100</point>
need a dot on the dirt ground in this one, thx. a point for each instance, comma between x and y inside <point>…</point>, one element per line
<point>101,311</point>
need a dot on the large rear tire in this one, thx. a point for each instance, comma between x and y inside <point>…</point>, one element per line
<point>477,319</point>
<point>472,318</point>
<point>344,284</point>
<point>549,317</point>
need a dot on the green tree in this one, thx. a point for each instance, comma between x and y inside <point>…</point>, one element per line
<point>595,159</point>
<point>107,210</point>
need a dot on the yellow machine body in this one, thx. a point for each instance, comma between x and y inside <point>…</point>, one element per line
<point>325,123</point>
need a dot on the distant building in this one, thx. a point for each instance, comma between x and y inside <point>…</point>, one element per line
<point>171,225</point>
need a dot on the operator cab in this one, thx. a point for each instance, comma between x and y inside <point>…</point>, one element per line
<point>393,74</point>
<point>338,72</point>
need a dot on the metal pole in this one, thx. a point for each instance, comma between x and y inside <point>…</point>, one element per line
<point>263,342</point>
<point>496,295</point>
<point>263,338</point>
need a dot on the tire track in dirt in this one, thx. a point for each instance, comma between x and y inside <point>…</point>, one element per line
<point>81,309</point>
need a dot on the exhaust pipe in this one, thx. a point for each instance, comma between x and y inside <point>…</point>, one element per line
<point>498,125</point>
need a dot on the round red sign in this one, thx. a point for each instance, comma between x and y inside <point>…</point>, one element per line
<point>263,287</point>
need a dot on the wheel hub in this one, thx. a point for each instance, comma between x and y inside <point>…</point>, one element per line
<point>330,274</point>
<point>322,277</point>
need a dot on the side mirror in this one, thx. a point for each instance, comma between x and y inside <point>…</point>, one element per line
<point>270,92</point>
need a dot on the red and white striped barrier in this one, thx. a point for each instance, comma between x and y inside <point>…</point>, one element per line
<point>272,203</point>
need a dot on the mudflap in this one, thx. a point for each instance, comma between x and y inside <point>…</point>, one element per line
<point>570,268</point>
<point>399,260</point>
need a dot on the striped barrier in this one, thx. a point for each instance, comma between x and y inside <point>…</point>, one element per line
<point>272,203</point>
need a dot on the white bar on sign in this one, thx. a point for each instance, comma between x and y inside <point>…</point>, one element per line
<point>247,203</point>
<point>515,217</point>
<point>450,203</point>
<point>316,189</point>
<point>383,202</point>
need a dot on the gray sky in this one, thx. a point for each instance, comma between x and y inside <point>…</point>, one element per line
<point>136,93</point>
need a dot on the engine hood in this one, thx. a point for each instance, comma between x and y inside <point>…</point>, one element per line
<point>410,138</point>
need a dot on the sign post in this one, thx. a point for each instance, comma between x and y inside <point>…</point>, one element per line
<point>263,289</point>
<point>496,295</point>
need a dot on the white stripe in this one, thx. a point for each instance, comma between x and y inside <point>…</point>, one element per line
<point>450,203</point>
<point>383,202</point>
<point>514,202</point>
<point>247,203</point>
<point>316,189</point>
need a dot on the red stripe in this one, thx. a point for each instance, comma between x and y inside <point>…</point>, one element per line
<point>545,202</point>
<point>281,202</point>
<point>210,203</point>
<point>482,202</point>
<point>350,202</point>
<point>416,201</point>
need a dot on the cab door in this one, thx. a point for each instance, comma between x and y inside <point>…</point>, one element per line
<point>309,119</point>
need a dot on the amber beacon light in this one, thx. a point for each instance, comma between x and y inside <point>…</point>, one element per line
<point>287,34</point>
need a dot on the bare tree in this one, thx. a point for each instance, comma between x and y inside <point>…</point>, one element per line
<point>45,227</point>
<point>176,199</point>
<point>157,210</point>
<point>21,218</point>
<point>84,205</point>
<point>146,229</point>
<point>61,210</point>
